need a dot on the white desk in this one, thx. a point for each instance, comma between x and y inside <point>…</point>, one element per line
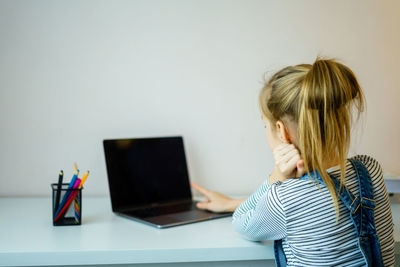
<point>28,238</point>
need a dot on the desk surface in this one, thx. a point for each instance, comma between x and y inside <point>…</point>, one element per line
<point>28,238</point>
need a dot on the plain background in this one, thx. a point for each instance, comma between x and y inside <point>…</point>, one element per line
<point>73,73</point>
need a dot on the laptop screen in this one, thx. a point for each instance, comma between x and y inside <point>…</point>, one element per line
<point>144,171</point>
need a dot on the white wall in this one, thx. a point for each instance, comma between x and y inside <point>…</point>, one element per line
<point>75,72</point>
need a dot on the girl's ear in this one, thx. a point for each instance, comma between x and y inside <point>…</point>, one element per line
<point>282,132</point>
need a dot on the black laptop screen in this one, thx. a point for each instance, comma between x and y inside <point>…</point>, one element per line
<point>145,171</point>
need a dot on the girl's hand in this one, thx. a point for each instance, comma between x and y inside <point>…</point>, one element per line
<point>288,161</point>
<point>215,201</point>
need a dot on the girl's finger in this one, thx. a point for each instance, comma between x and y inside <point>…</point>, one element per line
<point>288,156</point>
<point>281,147</point>
<point>279,152</point>
<point>290,166</point>
<point>200,189</point>
<point>283,159</point>
<point>284,150</point>
<point>300,168</point>
<point>292,163</point>
<point>287,149</point>
<point>202,205</point>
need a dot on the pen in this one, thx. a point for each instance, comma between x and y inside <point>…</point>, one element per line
<point>58,193</point>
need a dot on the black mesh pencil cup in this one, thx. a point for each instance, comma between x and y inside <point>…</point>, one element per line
<point>66,205</point>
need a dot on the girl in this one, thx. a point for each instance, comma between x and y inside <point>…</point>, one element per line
<point>321,208</point>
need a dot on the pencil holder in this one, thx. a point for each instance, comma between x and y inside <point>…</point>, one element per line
<point>66,205</point>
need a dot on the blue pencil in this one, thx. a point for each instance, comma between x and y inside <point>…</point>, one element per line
<point>70,186</point>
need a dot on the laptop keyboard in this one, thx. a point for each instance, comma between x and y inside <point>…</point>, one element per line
<point>173,208</point>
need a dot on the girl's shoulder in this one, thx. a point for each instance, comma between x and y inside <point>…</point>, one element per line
<point>373,166</point>
<point>296,185</point>
<point>367,161</point>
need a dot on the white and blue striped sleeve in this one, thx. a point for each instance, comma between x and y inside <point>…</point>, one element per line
<point>261,216</point>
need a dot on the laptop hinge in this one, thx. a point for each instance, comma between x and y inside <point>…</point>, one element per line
<point>155,204</point>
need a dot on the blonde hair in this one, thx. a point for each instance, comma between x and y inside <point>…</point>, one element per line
<point>321,99</point>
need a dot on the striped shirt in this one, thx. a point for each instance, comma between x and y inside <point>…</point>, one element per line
<point>303,216</point>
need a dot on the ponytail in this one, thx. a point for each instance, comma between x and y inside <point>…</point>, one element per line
<point>320,98</point>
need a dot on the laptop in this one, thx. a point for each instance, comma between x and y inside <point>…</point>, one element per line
<point>149,182</point>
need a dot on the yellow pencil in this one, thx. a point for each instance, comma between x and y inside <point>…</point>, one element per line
<point>83,179</point>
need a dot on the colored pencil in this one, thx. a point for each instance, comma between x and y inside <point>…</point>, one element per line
<point>84,179</point>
